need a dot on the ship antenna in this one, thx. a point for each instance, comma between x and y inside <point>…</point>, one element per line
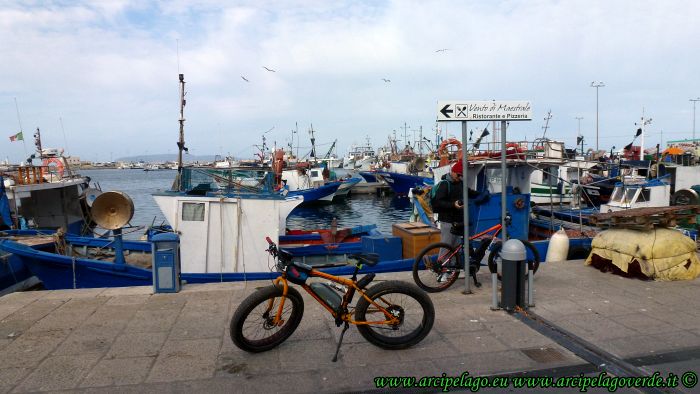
<point>181,143</point>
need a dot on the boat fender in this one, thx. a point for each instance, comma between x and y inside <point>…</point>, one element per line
<point>558,247</point>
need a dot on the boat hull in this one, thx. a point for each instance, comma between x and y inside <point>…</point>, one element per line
<point>63,272</point>
<point>401,184</point>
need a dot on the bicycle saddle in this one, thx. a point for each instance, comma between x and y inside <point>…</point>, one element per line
<point>370,259</point>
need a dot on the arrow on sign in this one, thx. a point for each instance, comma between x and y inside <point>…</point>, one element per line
<point>445,111</point>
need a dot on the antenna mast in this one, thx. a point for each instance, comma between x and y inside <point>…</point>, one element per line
<point>546,122</point>
<point>181,143</point>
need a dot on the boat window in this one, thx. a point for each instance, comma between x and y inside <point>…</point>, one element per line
<point>645,195</point>
<point>629,195</point>
<point>617,195</point>
<point>192,212</point>
<point>314,174</point>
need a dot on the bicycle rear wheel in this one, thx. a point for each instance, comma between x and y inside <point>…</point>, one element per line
<point>437,267</point>
<point>412,307</point>
<point>533,257</point>
<point>252,327</point>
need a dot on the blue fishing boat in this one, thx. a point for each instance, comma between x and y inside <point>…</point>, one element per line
<point>319,194</point>
<point>369,176</point>
<point>401,184</point>
<point>58,271</point>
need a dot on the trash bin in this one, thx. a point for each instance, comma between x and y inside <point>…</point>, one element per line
<point>513,267</point>
<point>166,263</point>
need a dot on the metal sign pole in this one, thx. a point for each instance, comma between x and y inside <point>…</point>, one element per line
<point>504,180</point>
<point>465,201</point>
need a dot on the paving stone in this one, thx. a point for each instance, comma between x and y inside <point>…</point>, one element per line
<point>37,311</point>
<point>10,377</point>
<point>165,301</point>
<point>135,344</point>
<point>643,323</point>
<point>69,315</point>
<point>517,335</point>
<point>22,298</point>
<point>30,348</point>
<point>240,363</point>
<point>14,328</point>
<point>82,342</point>
<point>125,292</point>
<point>70,294</point>
<point>117,372</point>
<point>185,360</point>
<point>629,346</point>
<point>476,342</point>
<point>193,324</point>
<point>595,328</point>
<point>109,317</point>
<point>58,373</point>
<point>129,299</point>
<point>156,320</point>
<point>495,362</point>
<point>362,354</point>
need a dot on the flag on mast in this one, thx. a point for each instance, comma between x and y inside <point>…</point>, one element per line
<point>17,137</point>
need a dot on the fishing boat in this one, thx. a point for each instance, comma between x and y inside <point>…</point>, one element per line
<point>344,189</point>
<point>44,195</point>
<point>360,157</point>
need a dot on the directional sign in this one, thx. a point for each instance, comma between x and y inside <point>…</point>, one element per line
<point>483,110</point>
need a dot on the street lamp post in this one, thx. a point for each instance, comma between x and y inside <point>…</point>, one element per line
<point>596,85</point>
<point>579,132</point>
<point>695,100</point>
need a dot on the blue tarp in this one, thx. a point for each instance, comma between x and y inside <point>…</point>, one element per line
<point>4,205</point>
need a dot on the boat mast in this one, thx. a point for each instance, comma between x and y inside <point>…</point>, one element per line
<point>181,143</point>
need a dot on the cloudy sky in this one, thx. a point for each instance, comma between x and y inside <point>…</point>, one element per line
<point>100,78</point>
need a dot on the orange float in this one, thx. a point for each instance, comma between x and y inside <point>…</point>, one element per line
<point>444,151</point>
<point>55,162</point>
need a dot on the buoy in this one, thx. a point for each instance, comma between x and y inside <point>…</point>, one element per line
<point>558,247</point>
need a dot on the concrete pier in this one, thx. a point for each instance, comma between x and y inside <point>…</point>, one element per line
<point>129,340</point>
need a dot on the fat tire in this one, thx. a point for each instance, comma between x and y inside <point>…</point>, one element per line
<point>417,269</point>
<point>393,342</point>
<point>496,251</point>
<point>250,303</point>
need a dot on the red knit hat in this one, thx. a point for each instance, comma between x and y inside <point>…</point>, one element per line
<point>457,167</point>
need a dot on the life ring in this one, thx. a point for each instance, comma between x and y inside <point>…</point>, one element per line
<point>519,203</point>
<point>513,151</point>
<point>444,152</point>
<point>58,163</point>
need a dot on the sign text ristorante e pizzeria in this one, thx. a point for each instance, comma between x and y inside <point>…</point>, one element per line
<point>484,110</point>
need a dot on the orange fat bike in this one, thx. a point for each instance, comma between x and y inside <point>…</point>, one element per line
<point>389,314</point>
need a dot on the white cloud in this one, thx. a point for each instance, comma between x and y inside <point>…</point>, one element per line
<point>109,69</point>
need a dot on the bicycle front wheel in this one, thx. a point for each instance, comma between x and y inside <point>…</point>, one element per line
<point>405,301</point>
<point>437,267</point>
<point>253,328</point>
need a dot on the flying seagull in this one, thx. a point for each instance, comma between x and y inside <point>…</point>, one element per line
<point>442,50</point>
<point>386,80</point>
<point>244,78</point>
<point>269,69</point>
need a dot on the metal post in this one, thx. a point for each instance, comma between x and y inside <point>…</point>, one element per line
<point>695,100</point>
<point>504,180</point>
<point>596,85</point>
<point>465,199</point>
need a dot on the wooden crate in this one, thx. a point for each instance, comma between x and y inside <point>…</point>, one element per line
<point>415,237</point>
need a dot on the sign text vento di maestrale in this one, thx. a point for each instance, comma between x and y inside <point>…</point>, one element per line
<point>483,110</point>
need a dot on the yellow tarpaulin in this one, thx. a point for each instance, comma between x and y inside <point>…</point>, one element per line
<point>662,253</point>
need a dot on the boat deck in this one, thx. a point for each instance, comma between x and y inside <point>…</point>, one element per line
<point>129,340</point>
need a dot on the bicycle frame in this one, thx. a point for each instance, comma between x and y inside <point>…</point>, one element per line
<point>453,252</point>
<point>345,316</point>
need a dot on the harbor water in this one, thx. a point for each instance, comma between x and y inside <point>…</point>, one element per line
<point>357,209</point>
